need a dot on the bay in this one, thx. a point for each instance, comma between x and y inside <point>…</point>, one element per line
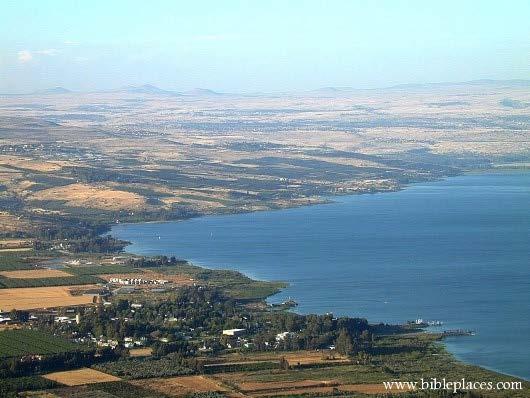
<point>456,251</point>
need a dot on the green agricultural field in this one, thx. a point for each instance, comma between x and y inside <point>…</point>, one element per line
<point>44,282</point>
<point>12,386</point>
<point>15,261</point>
<point>15,343</point>
<point>100,270</point>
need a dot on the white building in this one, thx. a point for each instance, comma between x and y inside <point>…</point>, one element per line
<point>233,332</point>
<point>282,336</point>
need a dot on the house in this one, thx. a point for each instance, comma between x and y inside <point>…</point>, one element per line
<point>234,332</point>
<point>107,343</point>
<point>282,336</point>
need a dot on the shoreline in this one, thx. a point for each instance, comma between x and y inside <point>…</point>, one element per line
<point>330,199</point>
<point>422,330</point>
<point>453,355</point>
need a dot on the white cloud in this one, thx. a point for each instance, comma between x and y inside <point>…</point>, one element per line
<point>48,51</point>
<point>24,56</point>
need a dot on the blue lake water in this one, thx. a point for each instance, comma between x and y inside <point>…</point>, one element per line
<point>456,250</point>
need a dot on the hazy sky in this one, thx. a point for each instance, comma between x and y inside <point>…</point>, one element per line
<point>259,45</point>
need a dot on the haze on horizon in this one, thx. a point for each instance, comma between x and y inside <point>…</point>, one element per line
<point>259,46</point>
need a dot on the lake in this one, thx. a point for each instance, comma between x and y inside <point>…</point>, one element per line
<point>455,250</point>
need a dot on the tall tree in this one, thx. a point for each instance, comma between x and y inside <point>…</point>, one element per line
<point>344,344</point>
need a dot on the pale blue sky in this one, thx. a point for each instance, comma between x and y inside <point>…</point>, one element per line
<point>259,45</point>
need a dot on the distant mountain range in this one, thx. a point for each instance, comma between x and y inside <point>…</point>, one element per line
<point>481,82</point>
<point>332,90</point>
<point>202,92</point>
<point>149,89</point>
<point>515,83</point>
<point>146,89</point>
<point>154,90</point>
<point>53,90</point>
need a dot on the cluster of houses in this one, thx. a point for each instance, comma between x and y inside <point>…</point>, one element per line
<point>128,342</point>
<point>237,339</point>
<point>6,318</point>
<point>137,281</point>
<point>67,319</point>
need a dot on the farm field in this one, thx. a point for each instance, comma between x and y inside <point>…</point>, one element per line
<point>112,389</point>
<point>263,361</point>
<point>378,388</point>
<point>241,382</point>
<point>80,376</point>
<point>182,385</point>
<point>10,222</point>
<point>83,195</point>
<point>31,271</point>
<point>35,274</point>
<point>69,280</point>
<point>15,249</point>
<point>295,358</point>
<point>25,342</point>
<point>296,391</point>
<point>101,270</point>
<point>6,244</point>
<point>313,358</point>
<point>140,352</point>
<point>41,297</point>
<point>11,261</point>
<point>257,387</point>
<point>369,389</point>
